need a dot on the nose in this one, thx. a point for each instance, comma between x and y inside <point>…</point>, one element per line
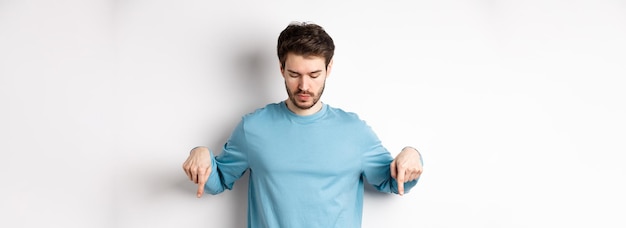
<point>304,84</point>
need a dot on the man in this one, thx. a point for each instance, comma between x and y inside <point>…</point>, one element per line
<point>307,160</point>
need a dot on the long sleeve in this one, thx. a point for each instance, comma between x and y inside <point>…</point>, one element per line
<point>231,164</point>
<point>376,163</point>
<point>303,168</point>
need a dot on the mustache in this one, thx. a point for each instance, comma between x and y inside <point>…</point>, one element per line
<point>302,92</point>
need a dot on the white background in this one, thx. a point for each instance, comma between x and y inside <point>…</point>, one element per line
<point>517,106</point>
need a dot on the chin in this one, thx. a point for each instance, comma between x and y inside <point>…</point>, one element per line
<point>305,106</point>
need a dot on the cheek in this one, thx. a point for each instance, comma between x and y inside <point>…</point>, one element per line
<point>291,84</point>
<point>319,83</point>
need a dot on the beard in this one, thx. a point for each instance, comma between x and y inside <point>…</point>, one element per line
<point>304,105</point>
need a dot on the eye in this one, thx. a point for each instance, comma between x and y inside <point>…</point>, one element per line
<point>315,75</point>
<point>294,75</point>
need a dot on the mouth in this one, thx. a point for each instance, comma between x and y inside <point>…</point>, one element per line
<point>303,96</point>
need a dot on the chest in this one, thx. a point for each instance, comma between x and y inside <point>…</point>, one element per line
<point>306,151</point>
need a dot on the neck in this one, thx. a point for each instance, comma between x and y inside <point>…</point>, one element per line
<point>304,112</point>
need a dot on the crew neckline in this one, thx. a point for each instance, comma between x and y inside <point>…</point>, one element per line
<point>307,118</point>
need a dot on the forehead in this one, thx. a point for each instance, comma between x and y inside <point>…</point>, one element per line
<point>303,63</point>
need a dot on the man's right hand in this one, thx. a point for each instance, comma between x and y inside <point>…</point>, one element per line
<point>198,167</point>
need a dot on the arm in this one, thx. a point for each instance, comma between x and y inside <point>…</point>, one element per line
<point>215,174</point>
<point>384,172</point>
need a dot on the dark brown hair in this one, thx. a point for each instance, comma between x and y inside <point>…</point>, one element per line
<point>305,39</point>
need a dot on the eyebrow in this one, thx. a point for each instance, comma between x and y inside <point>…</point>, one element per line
<point>313,72</point>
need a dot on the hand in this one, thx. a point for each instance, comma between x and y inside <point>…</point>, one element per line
<point>198,167</point>
<point>406,167</point>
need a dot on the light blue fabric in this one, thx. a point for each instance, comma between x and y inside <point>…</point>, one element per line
<point>305,171</point>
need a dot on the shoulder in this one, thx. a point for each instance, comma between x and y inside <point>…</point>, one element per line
<point>345,116</point>
<point>268,111</point>
<point>350,121</point>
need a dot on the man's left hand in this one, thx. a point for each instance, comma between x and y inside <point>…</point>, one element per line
<point>406,167</point>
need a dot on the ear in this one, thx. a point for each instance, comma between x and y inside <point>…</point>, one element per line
<point>329,67</point>
<point>282,70</point>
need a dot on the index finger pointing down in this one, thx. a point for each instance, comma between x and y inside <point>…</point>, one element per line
<point>400,180</point>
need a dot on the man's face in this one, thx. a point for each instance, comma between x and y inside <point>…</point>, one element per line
<point>305,78</point>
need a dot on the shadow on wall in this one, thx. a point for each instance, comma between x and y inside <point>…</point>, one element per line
<point>254,65</point>
<point>250,63</point>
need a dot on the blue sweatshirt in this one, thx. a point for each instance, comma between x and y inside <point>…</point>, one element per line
<point>305,171</point>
